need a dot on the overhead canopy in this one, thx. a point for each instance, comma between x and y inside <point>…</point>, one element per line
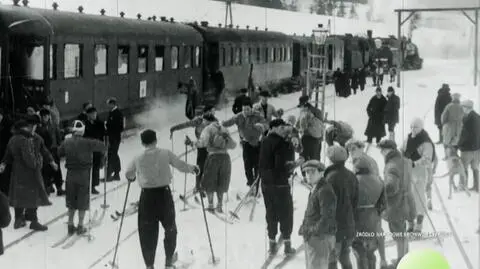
<point>217,34</point>
<point>23,20</point>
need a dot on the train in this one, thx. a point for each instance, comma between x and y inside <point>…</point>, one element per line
<point>71,58</point>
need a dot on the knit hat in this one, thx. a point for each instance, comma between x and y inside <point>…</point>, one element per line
<point>387,144</point>
<point>313,164</point>
<point>337,154</point>
<point>78,127</point>
<point>467,103</point>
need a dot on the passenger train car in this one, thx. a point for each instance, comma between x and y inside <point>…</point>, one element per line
<point>73,58</point>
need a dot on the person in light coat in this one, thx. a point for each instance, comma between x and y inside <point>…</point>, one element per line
<point>451,120</point>
<point>267,110</point>
<point>420,149</point>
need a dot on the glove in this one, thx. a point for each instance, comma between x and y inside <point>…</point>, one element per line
<point>196,170</point>
<point>171,134</point>
<point>188,141</point>
<point>131,179</point>
<point>280,112</point>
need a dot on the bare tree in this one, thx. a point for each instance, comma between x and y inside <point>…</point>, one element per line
<point>341,9</point>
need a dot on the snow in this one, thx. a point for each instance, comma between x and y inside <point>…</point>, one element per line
<point>243,244</point>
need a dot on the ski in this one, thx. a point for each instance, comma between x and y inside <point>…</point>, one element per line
<point>272,256</point>
<point>290,257</point>
<point>95,222</point>
<point>220,216</point>
<point>75,239</point>
<point>62,241</point>
<point>186,202</point>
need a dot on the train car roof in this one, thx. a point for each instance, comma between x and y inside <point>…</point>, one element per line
<point>43,22</point>
<point>217,34</point>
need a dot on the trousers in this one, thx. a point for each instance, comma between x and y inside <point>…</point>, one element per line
<point>318,251</point>
<point>156,205</point>
<point>250,162</point>
<point>341,253</point>
<point>114,164</point>
<point>279,210</point>
<point>29,214</point>
<point>202,154</point>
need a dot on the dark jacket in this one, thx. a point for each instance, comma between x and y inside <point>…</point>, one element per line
<point>94,129</point>
<point>50,134</point>
<point>5,134</point>
<point>375,111</point>
<point>470,134</point>
<point>5,217</point>
<point>319,219</point>
<point>273,158</point>
<point>443,99</point>
<point>82,117</point>
<point>345,185</point>
<point>115,123</point>
<point>391,109</point>
<point>237,104</point>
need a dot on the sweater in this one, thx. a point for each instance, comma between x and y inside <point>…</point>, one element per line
<point>78,152</point>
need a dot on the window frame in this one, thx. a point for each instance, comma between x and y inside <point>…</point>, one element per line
<point>80,61</point>
<point>106,58</point>
<point>147,48</point>
<point>162,47</point>
<point>128,59</point>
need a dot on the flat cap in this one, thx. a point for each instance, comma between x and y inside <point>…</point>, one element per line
<point>303,100</point>
<point>277,122</point>
<point>467,103</point>
<point>337,154</point>
<point>387,144</point>
<point>313,164</point>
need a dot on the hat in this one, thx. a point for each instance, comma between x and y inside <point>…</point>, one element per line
<point>456,96</point>
<point>243,90</point>
<point>247,102</point>
<point>337,154</point>
<point>209,117</point>
<point>78,127</point>
<point>111,100</point>
<point>418,123</point>
<point>32,119</point>
<point>354,142</point>
<point>313,164</point>
<point>90,110</point>
<point>390,89</point>
<point>277,122</point>
<point>362,164</point>
<point>303,100</point>
<point>387,144</point>
<point>467,103</point>
<point>21,124</point>
<point>264,94</point>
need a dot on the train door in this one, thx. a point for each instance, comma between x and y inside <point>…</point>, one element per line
<point>297,59</point>
<point>211,63</point>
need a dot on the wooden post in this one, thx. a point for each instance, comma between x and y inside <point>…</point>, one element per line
<point>399,33</point>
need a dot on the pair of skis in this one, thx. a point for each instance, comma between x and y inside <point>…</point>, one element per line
<point>128,212</point>
<point>70,239</point>
<point>286,259</point>
<point>219,215</point>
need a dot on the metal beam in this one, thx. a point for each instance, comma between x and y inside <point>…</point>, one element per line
<point>468,17</point>
<point>407,18</point>
<point>437,9</point>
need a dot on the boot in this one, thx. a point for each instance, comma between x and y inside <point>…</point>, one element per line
<point>60,192</point>
<point>219,208</point>
<point>94,191</point>
<point>81,230</point>
<point>71,229</point>
<point>475,181</point>
<point>36,226</point>
<point>287,248</point>
<point>19,223</point>
<point>273,248</point>
<point>169,261</point>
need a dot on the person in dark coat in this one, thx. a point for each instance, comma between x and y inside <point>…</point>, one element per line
<point>94,128</point>
<point>237,104</point>
<point>443,99</point>
<point>391,116</point>
<point>26,152</point>
<point>115,128</point>
<point>274,172</point>
<point>375,111</point>
<point>355,81</point>
<point>5,217</point>
<point>83,115</point>
<point>345,185</point>
<point>362,78</point>
<point>5,135</point>
<point>345,90</point>
<point>192,98</point>
<point>337,75</point>
<point>469,142</point>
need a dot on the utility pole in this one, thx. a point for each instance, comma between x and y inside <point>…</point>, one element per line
<point>228,12</point>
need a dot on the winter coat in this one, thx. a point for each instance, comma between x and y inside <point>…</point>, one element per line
<point>470,134</point>
<point>345,185</point>
<point>5,134</point>
<point>216,139</point>
<point>114,124</point>
<point>362,77</point>
<point>95,129</point>
<point>50,134</point>
<point>27,153</point>
<point>375,111</point>
<point>354,82</point>
<point>443,99</point>
<point>373,164</point>
<point>319,218</point>
<point>267,112</point>
<point>247,126</point>
<point>5,217</point>
<point>391,109</point>
<point>397,177</point>
<point>451,120</point>
<point>343,131</point>
<point>198,123</point>
<point>273,157</point>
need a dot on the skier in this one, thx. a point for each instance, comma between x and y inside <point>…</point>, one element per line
<point>362,78</point>
<point>78,152</point>
<point>152,171</point>
<point>443,99</point>
<point>95,128</point>
<point>218,166</point>
<point>237,104</point>
<point>391,116</point>
<point>420,149</point>
<point>267,110</point>
<point>115,126</point>
<point>199,123</point>
<point>375,111</point>
<point>275,173</point>
<point>371,203</point>
<point>339,131</point>
<point>5,217</point>
<point>400,206</point>
<point>319,223</point>
<point>345,185</point>
<point>451,120</point>
<point>251,125</point>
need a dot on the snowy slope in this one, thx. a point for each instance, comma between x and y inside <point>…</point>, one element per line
<point>243,245</point>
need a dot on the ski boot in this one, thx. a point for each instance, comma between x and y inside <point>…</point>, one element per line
<point>210,208</point>
<point>36,226</point>
<point>71,229</point>
<point>81,230</point>
<point>219,208</point>
<point>288,248</point>
<point>169,261</point>
<point>273,247</point>
<point>19,223</point>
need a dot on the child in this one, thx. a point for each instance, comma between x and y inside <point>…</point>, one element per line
<point>152,170</point>
<point>319,224</point>
<point>78,152</point>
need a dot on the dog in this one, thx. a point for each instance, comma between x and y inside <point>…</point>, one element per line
<point>455,167</point>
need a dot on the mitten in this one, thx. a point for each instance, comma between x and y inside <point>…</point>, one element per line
<point>188,141</point>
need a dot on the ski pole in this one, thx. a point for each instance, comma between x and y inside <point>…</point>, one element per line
<point>233,214</point>
<point>105,175</point>
<point>173,178</point>
<point>214,260</point>
<point>185,180</point>
<point>114,265</point>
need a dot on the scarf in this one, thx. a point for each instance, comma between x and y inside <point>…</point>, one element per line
<point>411,152</point>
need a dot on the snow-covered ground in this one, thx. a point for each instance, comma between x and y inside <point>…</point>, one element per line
<point>243,244</point>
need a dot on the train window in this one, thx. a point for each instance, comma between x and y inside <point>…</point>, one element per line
<point>142,59</point>
<point>224,56</point>
<point>232,56</point>
<point>34,62</point>
<point>272,55</point>
<point>197,56</point>
<point>330,57</point>
<point>187,57</point>
<point>289,53</point>
<point>53,61</point>
<point>238,56</point>
<point>174,57</point>
<point>285,54</point>
<point>73,60</point>
<point>249,59</point>
<point>266,55</point>
<point>123,59</point>
<point>159,56</point>
<point>101,59</point>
